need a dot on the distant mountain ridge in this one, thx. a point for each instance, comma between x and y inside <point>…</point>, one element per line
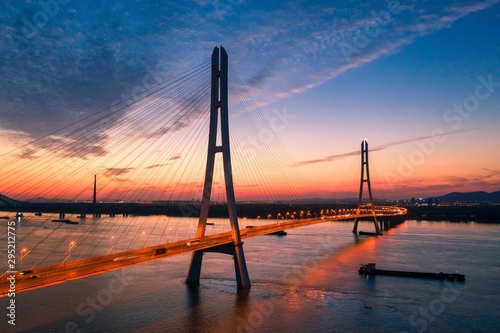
<point>478,196</point>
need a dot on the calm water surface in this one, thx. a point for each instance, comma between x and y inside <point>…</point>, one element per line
<point>306,281</point>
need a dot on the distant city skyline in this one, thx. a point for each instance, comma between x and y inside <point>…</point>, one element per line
<point>420,81</point>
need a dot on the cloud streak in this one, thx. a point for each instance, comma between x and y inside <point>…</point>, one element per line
<point>376,148</point>
<point>114,172</point>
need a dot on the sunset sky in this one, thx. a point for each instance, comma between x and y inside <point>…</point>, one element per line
<point>420,80</point>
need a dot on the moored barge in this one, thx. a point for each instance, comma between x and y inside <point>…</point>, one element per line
<point>370,269</point>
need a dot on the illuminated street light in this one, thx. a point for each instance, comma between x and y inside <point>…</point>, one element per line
<point>22,256</point>
<point>71,245</point>
<point>110,242</point>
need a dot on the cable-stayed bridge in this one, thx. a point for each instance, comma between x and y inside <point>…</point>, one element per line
<point>148,151</point>
<point>80,268</point>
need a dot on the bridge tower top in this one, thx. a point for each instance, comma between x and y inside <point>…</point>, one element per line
<point>365,178</point>
<point>94,198</point>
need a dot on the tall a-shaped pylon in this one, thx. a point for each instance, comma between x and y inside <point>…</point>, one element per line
<point>365,178</point>
<point>219,102</point>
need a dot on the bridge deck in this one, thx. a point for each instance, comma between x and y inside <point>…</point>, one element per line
<point>77,269</point>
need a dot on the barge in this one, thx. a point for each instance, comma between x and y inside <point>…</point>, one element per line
<point>366,233</point>
<point>278,233</point>
<point>370,269</point>
<point>65,221</point>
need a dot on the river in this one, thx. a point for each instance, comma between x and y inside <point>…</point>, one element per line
<point>306,281</point>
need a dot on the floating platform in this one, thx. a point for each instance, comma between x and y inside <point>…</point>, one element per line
<point>365,233</point>
<point>65,221</point>
<point>370,269</point>
<point>278,233</point>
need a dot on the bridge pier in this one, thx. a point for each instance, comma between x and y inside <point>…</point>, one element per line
<point>236,250</point>
<point>195,267</point>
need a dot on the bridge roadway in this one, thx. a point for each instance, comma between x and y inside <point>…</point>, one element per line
<point>77,269</point>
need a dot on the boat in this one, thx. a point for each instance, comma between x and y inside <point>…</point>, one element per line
<point>4,217</point>
<point>65,221</point>
<point>366,233</point>
<point>210,223</point>
<point>279,233</point>
<point>38,214</point>
<point>370,269</point>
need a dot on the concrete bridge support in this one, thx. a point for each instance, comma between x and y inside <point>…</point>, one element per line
<point>219,105</point>
<point>365,178</point>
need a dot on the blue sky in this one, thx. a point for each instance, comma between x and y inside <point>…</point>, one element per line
<point>384,70</point>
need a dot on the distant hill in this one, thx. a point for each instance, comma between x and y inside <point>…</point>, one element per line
<point>479,196</point>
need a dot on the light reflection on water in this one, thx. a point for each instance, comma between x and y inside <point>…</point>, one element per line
<point>306,281</point>
<point>46,242</point>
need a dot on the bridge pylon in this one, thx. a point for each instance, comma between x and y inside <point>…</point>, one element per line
<point>219,105</point>
<point>94,198</point>
<point>365,178</point>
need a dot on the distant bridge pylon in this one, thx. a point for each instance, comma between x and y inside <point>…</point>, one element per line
<point>365,178</point>
<point>219,102</point>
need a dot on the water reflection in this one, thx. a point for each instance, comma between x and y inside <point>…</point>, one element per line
<point>304,282</point>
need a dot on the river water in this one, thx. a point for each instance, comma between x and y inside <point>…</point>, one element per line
<point>306,281</point>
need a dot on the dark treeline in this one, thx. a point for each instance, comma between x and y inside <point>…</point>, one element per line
<point>479,213</point>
